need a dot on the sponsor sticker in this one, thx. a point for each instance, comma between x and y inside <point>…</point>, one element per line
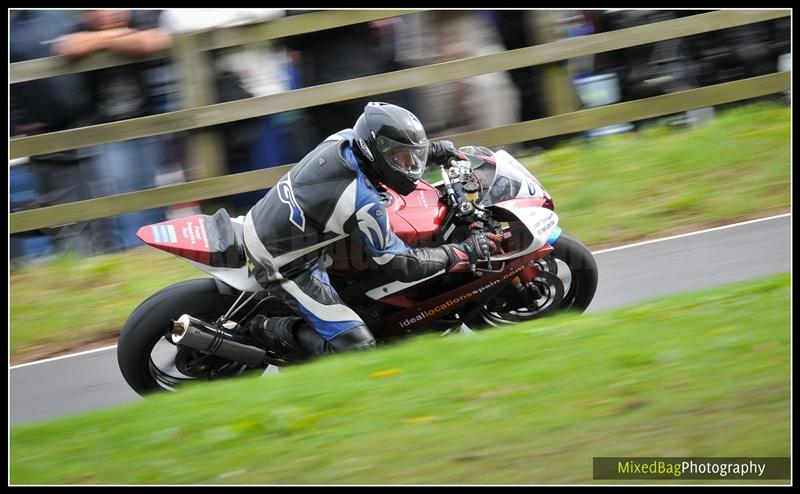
<point>201,234</point>
<point>164,233</point>
<point>436,310</point>
<point>173,238</point>
<point>422,199</point>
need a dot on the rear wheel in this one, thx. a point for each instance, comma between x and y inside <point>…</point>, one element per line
<point>149,361</point>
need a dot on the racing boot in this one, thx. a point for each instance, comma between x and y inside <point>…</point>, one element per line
<point>357,338</point>
<point>294,339</point>
<point>277,334</point>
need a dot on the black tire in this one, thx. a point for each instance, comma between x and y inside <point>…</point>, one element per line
<point>583,272</point>
<point>148,324</point>
<point>569,287</point>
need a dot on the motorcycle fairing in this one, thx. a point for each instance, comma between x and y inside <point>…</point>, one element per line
<point>209,243</point>
<point>422,313</point>
<point>540,225</point>
<point>212,240</point>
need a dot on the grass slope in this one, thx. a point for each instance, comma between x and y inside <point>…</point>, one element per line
<point>699,374</point>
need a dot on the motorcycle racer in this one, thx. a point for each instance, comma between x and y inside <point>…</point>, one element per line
<point>332,193</point>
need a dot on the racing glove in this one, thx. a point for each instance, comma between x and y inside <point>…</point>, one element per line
<point>441,151</point>
<point>476,248</point>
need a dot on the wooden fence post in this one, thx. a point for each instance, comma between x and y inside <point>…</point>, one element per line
<point>204,148</point>
<point>559,94</point>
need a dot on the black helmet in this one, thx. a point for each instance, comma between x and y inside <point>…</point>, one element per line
<point>393,145</point>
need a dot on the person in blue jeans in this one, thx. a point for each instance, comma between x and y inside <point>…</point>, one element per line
<point>118,93</point>
<point>49,105</point>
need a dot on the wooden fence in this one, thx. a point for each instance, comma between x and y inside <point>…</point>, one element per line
<point>201,114</point>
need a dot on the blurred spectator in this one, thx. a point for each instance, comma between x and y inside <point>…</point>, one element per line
<point>488,100</point>
<point>595,86</point>
<point>243,72</point>
<point>333,55</point>
<point>411,40</point>
<point>678,64</point>
<point>480,102</point>
<point>49,105</point>
<point>516,31</point>
<point>122,92</point>
<point>386,35</point>
<point>23,193</point>
<point>653,69</point>
<point>735,53</point>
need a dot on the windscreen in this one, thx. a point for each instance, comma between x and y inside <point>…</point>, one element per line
<point>501,177</point>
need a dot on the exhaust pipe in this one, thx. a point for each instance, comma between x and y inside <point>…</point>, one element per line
<point>209,339</point>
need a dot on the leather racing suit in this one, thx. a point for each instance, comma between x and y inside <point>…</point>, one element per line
<point>324,198</point>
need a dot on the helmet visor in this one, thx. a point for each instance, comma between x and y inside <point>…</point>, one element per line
<point>408,159</point>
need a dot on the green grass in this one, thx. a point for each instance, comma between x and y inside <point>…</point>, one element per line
<point>699,374</point>
<point>71,301</point>
<point>606,191</point>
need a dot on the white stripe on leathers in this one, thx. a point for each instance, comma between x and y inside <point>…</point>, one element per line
<point>330,313</point>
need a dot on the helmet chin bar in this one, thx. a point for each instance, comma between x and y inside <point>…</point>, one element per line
<point>381,180</point>
<point>406,188</point>
<point>365,150</point>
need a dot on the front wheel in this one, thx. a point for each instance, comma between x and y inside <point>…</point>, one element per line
<point>579,277</point>
<point>567,280</point>
<point>148,361</point>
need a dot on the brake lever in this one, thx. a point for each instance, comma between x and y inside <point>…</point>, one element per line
<point>480,271</point>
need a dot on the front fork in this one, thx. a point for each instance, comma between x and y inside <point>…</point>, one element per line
<point>532,268</point>
<point>523,283</point>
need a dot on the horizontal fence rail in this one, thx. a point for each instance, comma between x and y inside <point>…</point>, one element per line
<point>560,124</point>
<point>211,39</point>
<point>383,83</point>
<point>641,109</point>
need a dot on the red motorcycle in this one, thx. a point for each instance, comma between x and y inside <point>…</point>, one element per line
<point>196,329</point>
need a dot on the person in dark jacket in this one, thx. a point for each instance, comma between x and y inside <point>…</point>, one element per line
<point>331,194</point>
<point>49,105</point>
<point>333,55</point>
<point>118,93</point>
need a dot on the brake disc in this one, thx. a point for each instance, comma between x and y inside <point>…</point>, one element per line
<point>548,290</point>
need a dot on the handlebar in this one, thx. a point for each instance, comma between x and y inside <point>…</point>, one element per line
<point>458,171</point>
<point>448,187</point>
